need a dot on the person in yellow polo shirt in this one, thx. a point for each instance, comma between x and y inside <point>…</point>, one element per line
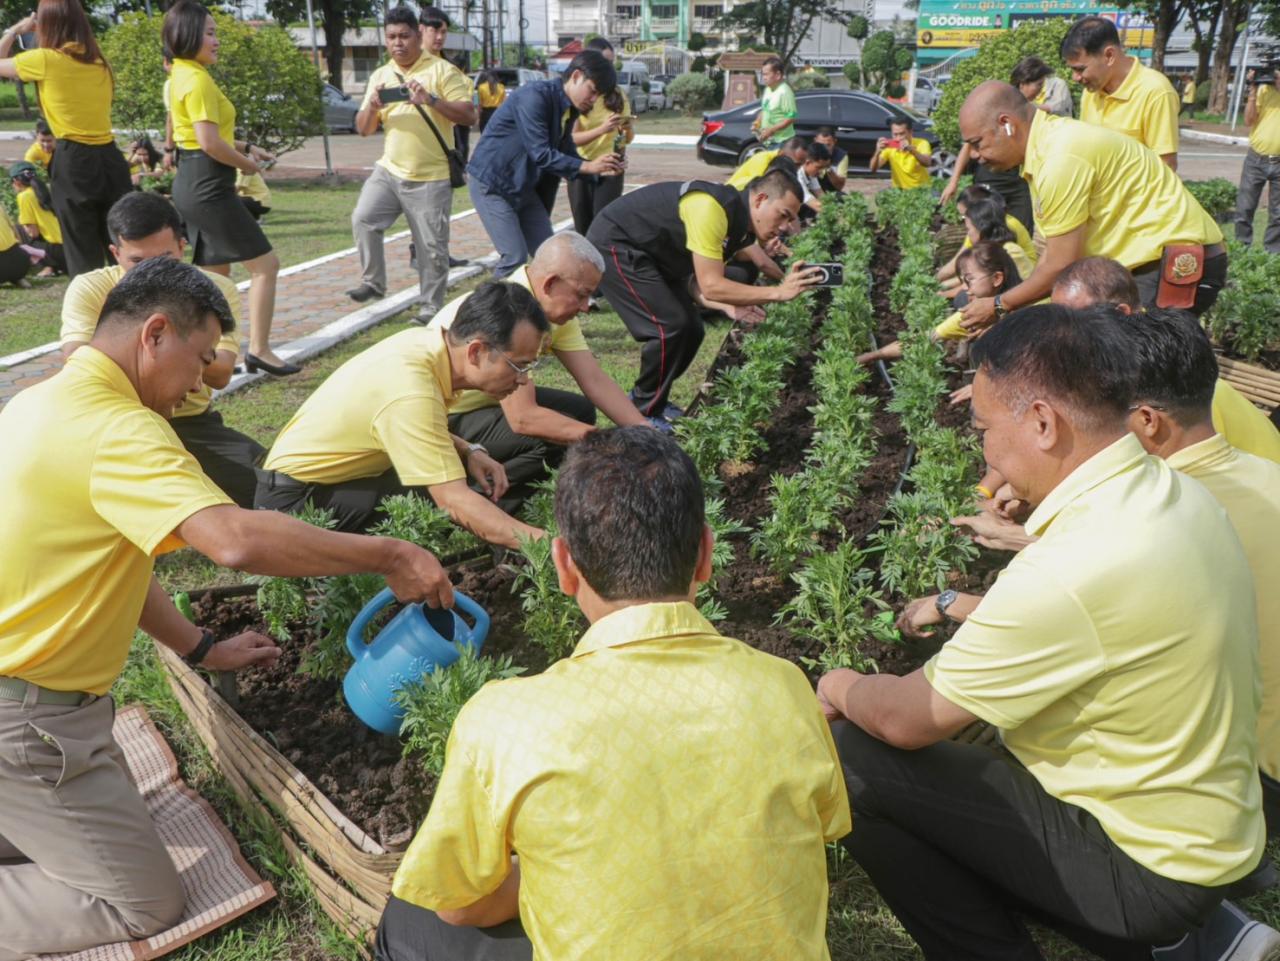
<point>146,225</point>
<point>607,128</point>
<point>1177,377</point>
<point>36,217</point>
<point>908,156</point>
<point>1261,163</point>
<point>412,175</point>
<point>1132,796</point>
<point>664,791</point>
<point>1098,193</point>
<point>795,149</point>
<point>528,430</point>
<point>1120,93</point>
<point>490,93</point>
<point>76,88</point>
<point>40,153</point>
<point>378,425</point>
<point>98,486</point>
<point>1188,95</point>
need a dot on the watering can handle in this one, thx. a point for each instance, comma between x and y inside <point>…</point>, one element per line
<point>477,613</point>
<point>355,633</point>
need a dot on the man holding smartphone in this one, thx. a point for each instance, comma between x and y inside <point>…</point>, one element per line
<point>407,97</point>
<point>908,157</point>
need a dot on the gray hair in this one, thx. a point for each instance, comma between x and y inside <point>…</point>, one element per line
<point>570,245</point>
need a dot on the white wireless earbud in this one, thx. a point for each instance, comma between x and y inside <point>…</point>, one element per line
<point>1008,131</point>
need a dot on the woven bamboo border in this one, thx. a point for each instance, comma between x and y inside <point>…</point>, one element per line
<point>350,872</point>
<point>1260,385</point>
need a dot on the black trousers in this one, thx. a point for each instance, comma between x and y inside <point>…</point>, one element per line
<point>55,255</point>
<point>1271,806</point>
<point>1147,277</point>
<point>659,313</point>
<point>961,841</point>
<point>485,114</point>
<point>254,206</point>
<point>589,195</point>
<point>526,459</point>
<point>355,504</point>
<point>226,455</point>
<point>85,180</point>
<point>410,933</point>
<point>14,264</point>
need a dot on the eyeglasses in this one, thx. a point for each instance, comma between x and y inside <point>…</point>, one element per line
<point>521,371</point>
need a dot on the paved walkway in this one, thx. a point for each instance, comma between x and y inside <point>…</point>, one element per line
<point>312,310</point>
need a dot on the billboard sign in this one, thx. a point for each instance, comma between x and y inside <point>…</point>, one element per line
<point>950,25</point>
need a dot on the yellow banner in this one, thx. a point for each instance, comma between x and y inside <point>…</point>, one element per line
<point>951,38</point>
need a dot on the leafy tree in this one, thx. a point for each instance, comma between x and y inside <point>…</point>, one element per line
<point>809,81</point>
<point>272,83</point>
<point>858,28</point>
<point>697,41</point>
<point>693,93</point>
<point>333,17</point>
<point>1235,13</point>
<point>882,65</point>
<point>782,25</point>
<point>996,59</point>
<point>1164,16</point>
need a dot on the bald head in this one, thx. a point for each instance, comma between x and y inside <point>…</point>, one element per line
<point>567,253</point>
<point>564,272</point>
<point>995,121</point>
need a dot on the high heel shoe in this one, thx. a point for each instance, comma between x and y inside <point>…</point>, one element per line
<point>254,364</point>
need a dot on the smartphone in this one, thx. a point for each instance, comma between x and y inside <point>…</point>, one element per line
<point>394,94</point>
<point>888,144</point>
<point>832,274</point>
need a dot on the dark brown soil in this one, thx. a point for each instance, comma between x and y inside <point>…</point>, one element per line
<point>363,772</point>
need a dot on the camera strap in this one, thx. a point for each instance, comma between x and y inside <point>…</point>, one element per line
<point>457,167</point>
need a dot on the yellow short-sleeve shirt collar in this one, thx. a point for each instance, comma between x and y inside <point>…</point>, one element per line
<point>1115,459</point>
<point>642,622</point>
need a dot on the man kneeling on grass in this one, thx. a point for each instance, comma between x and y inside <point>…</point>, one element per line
<point>663,792</point>
<point>1118,657</point>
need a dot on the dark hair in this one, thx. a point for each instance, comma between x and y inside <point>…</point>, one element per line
<point>1089,35</point>
<point>987,217</point>
<point>784,163</point>
<point>775,63</point>
<point>183,31</point>
<point>793,143</point>
<point>61,23</point>
<point>429,13</point>
<point>140,214</point>
<point>165,285</point>
<point>1029,70</point>
<point>776,182</point>
<point>144,144</point>
<point>1078,357</point>
<point>992,257</point>
<point>975,193</point>
<point>593,65</point>
<point>488,77</point>
<point>42,127</point>
<point>1175,365</point>
<point>403,15</point>
<point>818,151</point>
<point>630,508</point>
<point>32,179</point>
<point>1104,280</point>
<point>824,132</point>
<point>903,121</point>
<point>492,313</point>
<point>597,43</point>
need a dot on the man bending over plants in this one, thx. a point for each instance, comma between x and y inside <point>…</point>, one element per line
<point>662,792</point>
<point>529,429</point>
<point>1132,803</point>
<point>97,484</point>
<point>378,426</point>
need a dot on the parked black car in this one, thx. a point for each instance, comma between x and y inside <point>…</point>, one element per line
<point>858,118</point>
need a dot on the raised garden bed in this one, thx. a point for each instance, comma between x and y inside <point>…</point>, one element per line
<point>348,800</point>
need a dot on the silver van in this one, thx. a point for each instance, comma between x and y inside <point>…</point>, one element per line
<point>633,77</point>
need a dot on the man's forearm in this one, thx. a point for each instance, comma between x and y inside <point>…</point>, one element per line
<point>1036,287</point>
<point>600,388</point>
<point>550,425</point>
<point>461,112</point>
<point>164,622</point>
<point>367,121</point>
<point>480,516</point>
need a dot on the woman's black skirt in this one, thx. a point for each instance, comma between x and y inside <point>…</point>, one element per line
<point>219,228</point>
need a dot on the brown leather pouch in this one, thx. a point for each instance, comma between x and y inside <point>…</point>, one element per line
<point>1181,268</point>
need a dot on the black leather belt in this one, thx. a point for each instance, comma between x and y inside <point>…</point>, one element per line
<point>275,481</point>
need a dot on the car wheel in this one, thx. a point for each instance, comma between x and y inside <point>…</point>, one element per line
<point>749,151</point>
<point>944,163</point>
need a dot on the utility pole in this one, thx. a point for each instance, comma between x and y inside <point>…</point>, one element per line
<point>522,23</point>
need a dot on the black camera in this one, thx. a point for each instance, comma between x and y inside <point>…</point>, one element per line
<point>394,94</point>
<point>1264,79</point>
<point>832,274</point>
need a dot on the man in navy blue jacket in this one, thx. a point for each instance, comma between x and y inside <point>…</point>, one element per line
<point>528,140</point>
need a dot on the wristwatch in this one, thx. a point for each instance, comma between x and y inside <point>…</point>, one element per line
<point>945,600</point>
<point>1000,308</point>
<point>432,99</point>
<point>472,448</point>
<point>194,657</point>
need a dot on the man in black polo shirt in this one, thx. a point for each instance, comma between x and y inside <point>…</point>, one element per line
<point>665,248</point>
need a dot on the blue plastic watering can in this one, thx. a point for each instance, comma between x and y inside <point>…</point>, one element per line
<point>415,642</point>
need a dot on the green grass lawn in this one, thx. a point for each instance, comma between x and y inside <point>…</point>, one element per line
<point>308,219</point>
<point>667,121</point>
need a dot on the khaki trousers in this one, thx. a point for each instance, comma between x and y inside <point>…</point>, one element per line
<point>80,861</point>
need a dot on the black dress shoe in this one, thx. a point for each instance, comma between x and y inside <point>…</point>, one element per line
<point>254,364</point>
<point>362,293</point>
<point>455,262</point>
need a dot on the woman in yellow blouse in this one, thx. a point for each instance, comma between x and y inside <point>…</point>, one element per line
<point>490,95</point>
<point>220,229</point>
<point>14,260</point>
<point>607,128</point>
<point>76,87</point>
<point>36,216</point>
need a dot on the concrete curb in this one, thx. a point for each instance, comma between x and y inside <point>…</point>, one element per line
<point>1204,136</point>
